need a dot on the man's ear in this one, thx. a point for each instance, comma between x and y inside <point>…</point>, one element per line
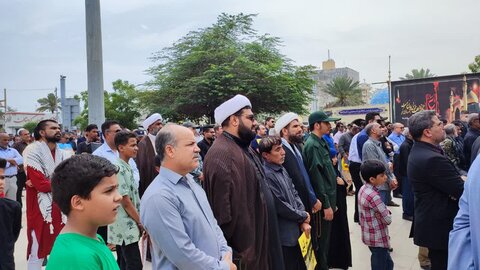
<point>169,151</point>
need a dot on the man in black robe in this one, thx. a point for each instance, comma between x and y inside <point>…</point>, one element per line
<point>237,190</point>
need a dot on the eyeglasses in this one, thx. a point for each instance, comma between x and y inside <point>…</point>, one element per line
<point>250,117</point>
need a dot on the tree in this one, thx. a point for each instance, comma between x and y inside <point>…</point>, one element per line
<point>50,103</point>
<point>475,66</point>
<point>206,67</point>
<point>345,90</point>
<point>418,74</point>
<point>30,126</point>
<point>121,105</point>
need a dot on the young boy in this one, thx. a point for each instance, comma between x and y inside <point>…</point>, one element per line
<point>10,224</point>
<point>85,189</point>
<point>292,216</point>
<point>126,231</point>
<point>374,215</point>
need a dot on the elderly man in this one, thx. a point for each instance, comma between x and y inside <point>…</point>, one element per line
<point>472,134</point>
<point>238,192</point>
<point>14,159</point>
<point>175,211</point>
<point>44,219</point>
<point>323,177</point>
<point>437,186</point>
<point>146,151</point>
<point>372,150</point>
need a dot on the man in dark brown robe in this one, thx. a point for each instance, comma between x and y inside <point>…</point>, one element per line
<point>237,190</point>
<point>146,152</point>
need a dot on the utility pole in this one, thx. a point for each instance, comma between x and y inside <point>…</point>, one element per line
<point>96,106</point>
<point>64,118</point>
<point>4,108</point>
<point>56,104</point>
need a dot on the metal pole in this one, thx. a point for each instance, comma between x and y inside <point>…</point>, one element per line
<point>5,109</point>
<point>65,123</point>
<point>96,106</point>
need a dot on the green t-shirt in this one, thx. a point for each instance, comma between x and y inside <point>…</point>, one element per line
<point>75,251</point>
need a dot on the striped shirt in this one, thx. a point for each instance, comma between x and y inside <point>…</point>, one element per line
<point>374,217</point>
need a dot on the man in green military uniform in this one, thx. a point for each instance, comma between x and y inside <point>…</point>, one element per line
<point>324,180</point>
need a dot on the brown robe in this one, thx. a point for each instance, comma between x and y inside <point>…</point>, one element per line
<point>145,164</point>
<point>234,193</point>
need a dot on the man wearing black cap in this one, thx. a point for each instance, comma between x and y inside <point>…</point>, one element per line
<point>316,155</point>
<point>208,138</point>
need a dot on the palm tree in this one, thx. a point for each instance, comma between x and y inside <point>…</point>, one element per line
<point>50,103</point>
<point>346,91</point>
<point>418,74</point>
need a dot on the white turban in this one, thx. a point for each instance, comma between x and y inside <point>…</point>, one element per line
<point>151,119</point>
<point>230,107</point>
<point>284,120</point>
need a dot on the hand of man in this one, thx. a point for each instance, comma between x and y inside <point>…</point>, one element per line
<point>306,228</point>
<point>13,162</point>
<point>390,166</point>
<point>228,259</point>
<point>393,184</point>
<point>328,212</point>
<point>29,183</point>
<point>307,220</point>
<point>464,178</point>
<point>201,177</point>
<point>317,206</point>
<point>340,181</point>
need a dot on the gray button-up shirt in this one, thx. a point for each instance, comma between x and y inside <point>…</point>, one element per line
<point>185,235</point>
<point>290,210</point>
<point>372,149</point>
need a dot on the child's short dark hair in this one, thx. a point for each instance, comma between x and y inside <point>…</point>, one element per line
<point>267,144</point>
<point>78,175</point>
<point>371,168</point>
<point>3,163</point>
<point>122,137</point>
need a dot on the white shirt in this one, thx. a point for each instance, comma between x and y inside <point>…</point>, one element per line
<point>106,152</point>
<point>353,151</point>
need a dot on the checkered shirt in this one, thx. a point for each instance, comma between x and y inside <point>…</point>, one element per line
<point>374,217</point>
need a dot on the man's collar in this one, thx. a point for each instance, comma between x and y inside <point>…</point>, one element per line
<point>170,175</point>
<point>273,166</point>
<point>4,148</point>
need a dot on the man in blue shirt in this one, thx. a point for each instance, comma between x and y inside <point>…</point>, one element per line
<point>175,211</point>
<point>398,138</point>
<point>464,240</point>
<point>14,159</point>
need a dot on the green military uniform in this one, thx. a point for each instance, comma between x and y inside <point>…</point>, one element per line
<point>324,181</point>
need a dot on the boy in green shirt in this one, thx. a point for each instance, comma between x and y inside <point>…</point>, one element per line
<point>85,189</point>
<point>126,231</point>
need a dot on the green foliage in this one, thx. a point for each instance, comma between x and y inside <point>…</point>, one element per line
<point>418,74</point>
<point>121,105</point>
<point>475,66</point>
<point>30,126</point>
<point>345,90</point>
<point>210,65</point>
<point>50,103</point>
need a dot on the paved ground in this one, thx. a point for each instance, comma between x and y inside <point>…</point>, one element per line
<point>404,254</point>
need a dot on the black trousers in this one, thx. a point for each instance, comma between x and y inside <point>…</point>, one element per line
<point>354,168</point>
<point>128,257</point>
<point>293,259</point>
<point>438,258</point>
<point>21,179</point>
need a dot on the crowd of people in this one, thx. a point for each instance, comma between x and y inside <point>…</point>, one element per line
<point>240,195</point>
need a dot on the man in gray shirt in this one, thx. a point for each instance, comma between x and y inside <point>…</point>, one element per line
<point>372,149</point>
<point>175,211</point>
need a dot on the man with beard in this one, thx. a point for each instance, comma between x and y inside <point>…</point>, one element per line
<point>90,144</point>
<point>44,218</point>
<point>316,155</point>
<point>437,186</point>
<point>208,138</point>
<point>237,190</point>
<point>290,130</point>
<point>146,152</point>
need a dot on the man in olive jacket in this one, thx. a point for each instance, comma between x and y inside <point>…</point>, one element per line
<point>323,177</point>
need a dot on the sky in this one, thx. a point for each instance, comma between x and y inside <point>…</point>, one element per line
<point>41,40</point>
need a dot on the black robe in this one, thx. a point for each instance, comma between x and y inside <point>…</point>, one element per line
<point>146,164</point>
